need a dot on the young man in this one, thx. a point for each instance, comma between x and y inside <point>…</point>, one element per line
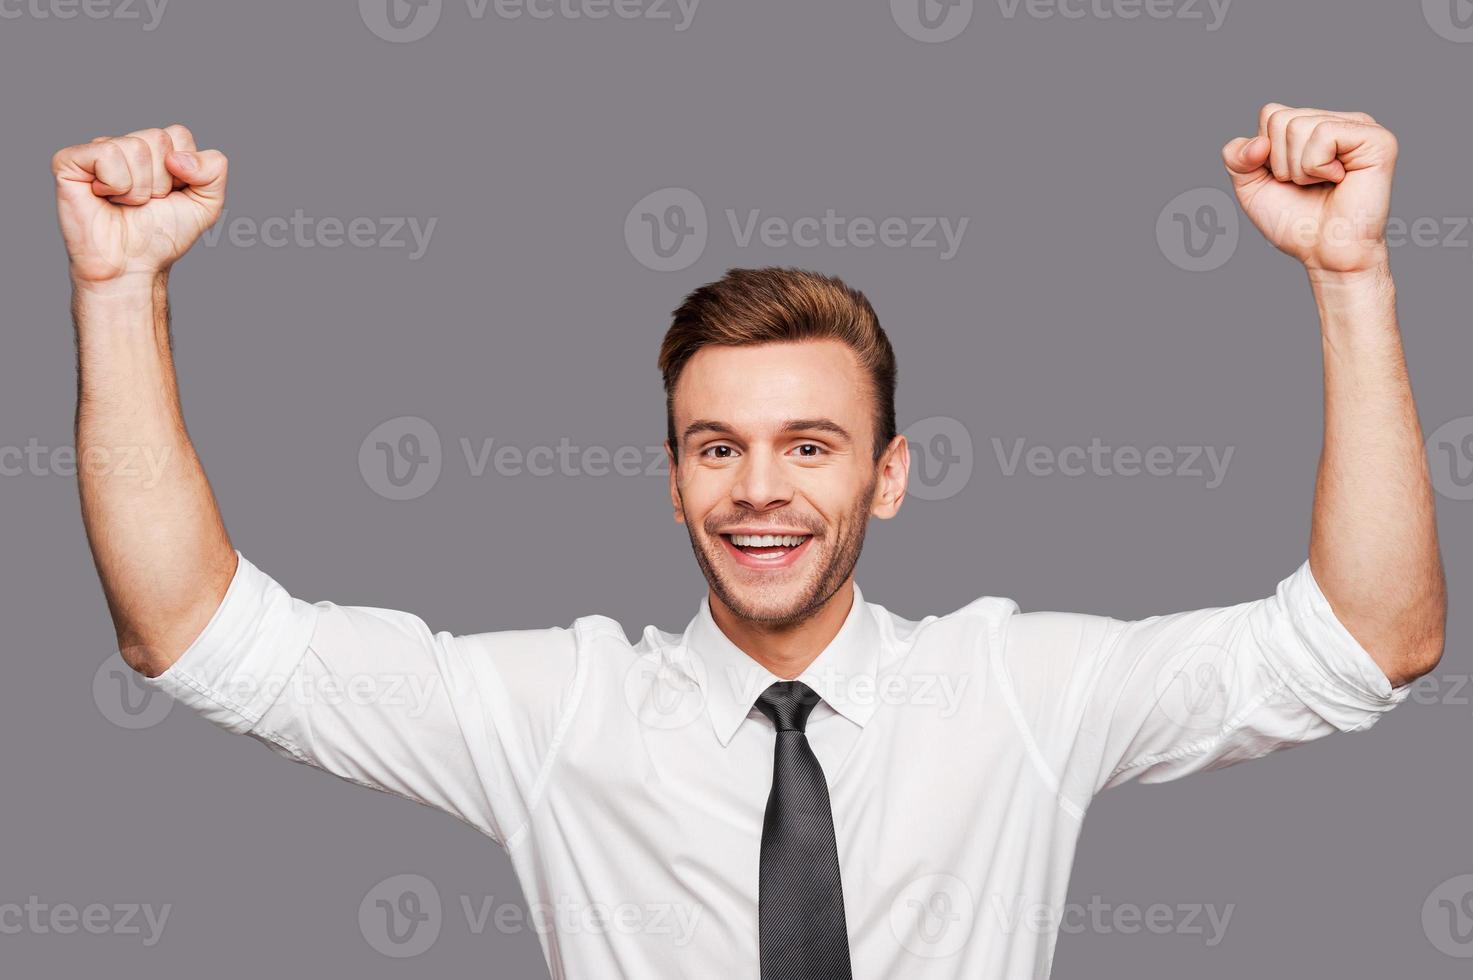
<point>810,785</point>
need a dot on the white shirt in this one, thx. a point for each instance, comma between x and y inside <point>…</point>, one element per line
<point>627,781</point>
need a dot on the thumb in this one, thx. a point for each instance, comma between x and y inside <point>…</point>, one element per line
<point>1245,158</point>
<point>202,172</point>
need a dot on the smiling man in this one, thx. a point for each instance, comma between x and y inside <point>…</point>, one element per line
<point>800,783</point>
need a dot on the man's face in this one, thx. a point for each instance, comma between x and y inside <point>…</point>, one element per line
<point>777,439</point>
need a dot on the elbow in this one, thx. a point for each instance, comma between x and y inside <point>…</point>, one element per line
<point>146,660</point>
<point>1422,651</point>
<point>1424,656</point>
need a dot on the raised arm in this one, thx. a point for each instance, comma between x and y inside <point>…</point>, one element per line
<point>1318,185</point>
<point>129,206</point>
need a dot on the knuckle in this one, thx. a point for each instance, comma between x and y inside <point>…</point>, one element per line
<point>113,152</point>
<point>179,133</point>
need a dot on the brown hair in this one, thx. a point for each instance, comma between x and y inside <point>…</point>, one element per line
<point>774,305</point>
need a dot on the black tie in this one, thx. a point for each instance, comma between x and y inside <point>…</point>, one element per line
<point>800,901</point>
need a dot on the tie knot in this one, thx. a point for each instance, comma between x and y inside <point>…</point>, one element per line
<point>788,704</point>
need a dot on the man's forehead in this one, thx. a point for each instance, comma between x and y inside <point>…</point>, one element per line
<point>813,363</point>
<point>764,385</point>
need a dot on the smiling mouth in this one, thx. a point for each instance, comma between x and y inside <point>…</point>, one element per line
<point>766,550</point>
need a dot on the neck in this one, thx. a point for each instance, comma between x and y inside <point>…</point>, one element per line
<point>786,651</point>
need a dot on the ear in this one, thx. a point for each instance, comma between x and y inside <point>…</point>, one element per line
<point>674,484</point>
<point>894,467</point>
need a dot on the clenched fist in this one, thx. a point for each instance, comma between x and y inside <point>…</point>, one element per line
<point>1317,184</point>
<point>130,205</point>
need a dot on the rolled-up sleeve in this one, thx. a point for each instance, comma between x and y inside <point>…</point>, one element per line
<point>1109,701</point>
<point>1199,690</point>
<point>460,723</point>
<point>245,655</point>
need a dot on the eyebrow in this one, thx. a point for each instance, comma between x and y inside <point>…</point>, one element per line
<point>791,425</point>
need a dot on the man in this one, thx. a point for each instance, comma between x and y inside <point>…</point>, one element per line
<point>809,784</point>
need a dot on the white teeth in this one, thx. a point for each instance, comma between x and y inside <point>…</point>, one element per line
<point>768,540</point>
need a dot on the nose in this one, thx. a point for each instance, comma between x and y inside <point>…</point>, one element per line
<point>762,483</point>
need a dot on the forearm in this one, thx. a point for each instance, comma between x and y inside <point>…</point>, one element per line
<point>1373,539</point>
<point>155,531</point>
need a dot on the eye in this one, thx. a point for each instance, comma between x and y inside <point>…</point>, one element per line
<point>817,450</point>
<point>712,449</point>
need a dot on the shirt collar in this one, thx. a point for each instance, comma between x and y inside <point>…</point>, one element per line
<point>843,675</point>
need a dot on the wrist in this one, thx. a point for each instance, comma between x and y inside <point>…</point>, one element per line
<point>1341,286</point>
<point>1374,270</point>
<point>130,291</point>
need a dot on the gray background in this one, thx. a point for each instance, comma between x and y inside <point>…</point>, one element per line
<point>529,320</point>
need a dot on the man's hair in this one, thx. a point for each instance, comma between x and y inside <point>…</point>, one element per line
<point>746,307</point>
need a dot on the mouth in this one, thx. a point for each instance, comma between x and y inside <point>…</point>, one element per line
<point>766,551</point>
